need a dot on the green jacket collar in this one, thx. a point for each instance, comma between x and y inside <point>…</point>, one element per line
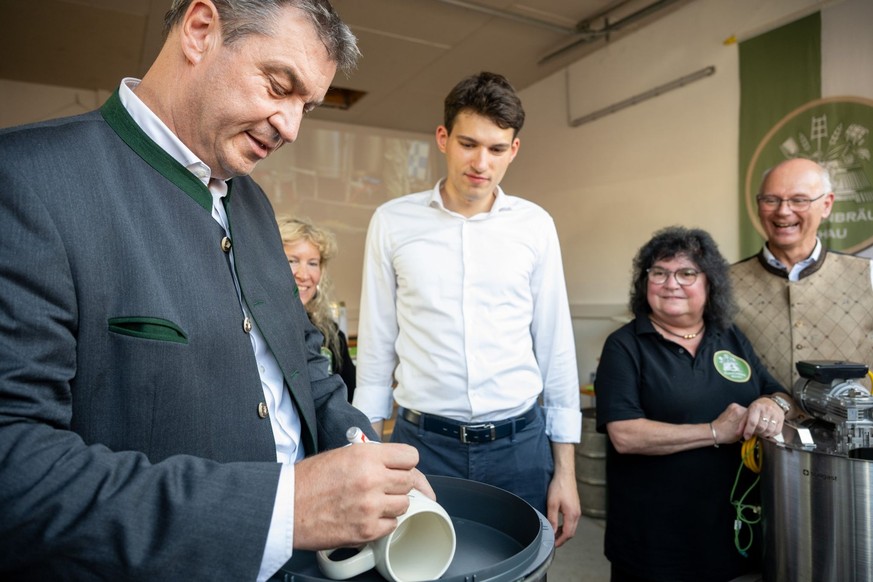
<point>123,124</point>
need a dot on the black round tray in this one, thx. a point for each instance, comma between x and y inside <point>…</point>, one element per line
<point>500,537</point>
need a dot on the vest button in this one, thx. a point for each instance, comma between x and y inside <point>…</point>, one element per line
<point>798,347</point>
<point>247,325</point>
<point>226,244</point>
<point>262,410</point>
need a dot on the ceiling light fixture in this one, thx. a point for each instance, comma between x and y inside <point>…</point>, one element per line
<point>341,98</point>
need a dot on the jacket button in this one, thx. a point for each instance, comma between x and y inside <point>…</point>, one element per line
<point>262,410</point>
<point>247,325</point>
<point>226,244</point>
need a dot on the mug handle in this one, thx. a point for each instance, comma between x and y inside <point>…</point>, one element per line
<point>364,560</point>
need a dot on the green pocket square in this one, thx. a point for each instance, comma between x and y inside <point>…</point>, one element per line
<point>148,328</point>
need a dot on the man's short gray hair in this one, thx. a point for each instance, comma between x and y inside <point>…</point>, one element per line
<point>241,18</point>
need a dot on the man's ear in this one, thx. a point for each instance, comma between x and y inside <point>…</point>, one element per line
<point>442,137</point>
<point>513,149</point>
<point>828,205</point>
<point>200,30</point>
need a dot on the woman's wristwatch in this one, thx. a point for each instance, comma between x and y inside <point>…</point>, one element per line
<point>781,402</point>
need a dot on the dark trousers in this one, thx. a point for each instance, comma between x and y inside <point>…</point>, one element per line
<point>521,464</point>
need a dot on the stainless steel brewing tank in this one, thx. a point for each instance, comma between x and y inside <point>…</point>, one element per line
<point>817,508</point>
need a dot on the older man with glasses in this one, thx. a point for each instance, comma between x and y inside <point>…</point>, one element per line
<point>797,300</point>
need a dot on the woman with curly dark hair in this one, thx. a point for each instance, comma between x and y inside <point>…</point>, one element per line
<point>677,389</point>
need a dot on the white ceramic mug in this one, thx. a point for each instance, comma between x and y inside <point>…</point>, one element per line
<point>420,548</point>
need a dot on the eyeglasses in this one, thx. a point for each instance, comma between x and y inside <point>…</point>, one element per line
<point>795,203</point>
<point>684,277</point>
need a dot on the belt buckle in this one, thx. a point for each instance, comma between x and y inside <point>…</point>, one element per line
<point>488,426</point>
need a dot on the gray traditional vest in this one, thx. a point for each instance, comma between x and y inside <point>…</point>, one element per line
<point>828,316</point>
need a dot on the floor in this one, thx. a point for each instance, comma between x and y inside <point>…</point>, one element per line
<point>581,559</point>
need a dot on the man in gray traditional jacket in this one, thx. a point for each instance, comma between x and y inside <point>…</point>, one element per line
<point>162,392</point>
<point>797,300</point>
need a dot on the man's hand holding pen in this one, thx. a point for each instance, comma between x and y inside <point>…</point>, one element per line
<point>352,495</point>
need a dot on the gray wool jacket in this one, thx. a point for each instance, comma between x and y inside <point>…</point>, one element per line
<point>130,441</point>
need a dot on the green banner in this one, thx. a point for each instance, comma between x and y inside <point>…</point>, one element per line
<point>834,132</point>
<point>780,71</point>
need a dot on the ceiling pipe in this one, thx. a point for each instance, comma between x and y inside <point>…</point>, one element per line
<point>510,16</point>
<point>585,34</point>
<point>605,12</point>
<point>651,93</point>
<point>582,31</point>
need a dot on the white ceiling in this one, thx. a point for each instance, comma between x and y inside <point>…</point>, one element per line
<point>414,50</point>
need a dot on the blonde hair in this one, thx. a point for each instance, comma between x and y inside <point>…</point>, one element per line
<point>294,230</point>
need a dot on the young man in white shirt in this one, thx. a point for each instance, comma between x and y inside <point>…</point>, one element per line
<point>464,304</point>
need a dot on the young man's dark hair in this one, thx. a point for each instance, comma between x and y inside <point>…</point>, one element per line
<point>489,95</point>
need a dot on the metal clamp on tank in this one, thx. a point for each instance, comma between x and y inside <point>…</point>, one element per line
<point>830,391</point>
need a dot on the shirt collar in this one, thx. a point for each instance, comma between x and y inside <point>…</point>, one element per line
<point>153,127</point>
<point>794,272</point>
<point>501,201</point>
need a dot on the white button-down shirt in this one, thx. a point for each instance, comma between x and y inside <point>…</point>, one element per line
<point>472,313</point>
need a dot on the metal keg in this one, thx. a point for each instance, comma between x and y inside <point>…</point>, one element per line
<point>591,467</point>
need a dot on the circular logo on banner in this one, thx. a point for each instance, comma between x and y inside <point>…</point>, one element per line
<point>732,367</point>
<point>835,132</point>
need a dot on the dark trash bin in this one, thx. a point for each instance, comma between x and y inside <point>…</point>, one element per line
<point>500,538</point>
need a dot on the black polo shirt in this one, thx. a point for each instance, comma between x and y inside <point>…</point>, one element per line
<point>669,517</point>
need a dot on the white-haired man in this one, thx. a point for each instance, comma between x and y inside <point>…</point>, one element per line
<point>797,300</point>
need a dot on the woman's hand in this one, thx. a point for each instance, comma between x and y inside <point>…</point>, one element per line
<point>730,424</point>
<point>764,418</point>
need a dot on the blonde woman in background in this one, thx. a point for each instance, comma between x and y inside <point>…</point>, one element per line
<point>309,249</point>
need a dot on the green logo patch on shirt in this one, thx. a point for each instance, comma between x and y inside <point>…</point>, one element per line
<point>732,367</point>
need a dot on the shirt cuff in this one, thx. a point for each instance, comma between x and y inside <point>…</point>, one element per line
<point>280,538</point>
<point>377,402</point>
<point>563,425</point>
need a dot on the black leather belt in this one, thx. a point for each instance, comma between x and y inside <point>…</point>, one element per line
<point>484,432</point>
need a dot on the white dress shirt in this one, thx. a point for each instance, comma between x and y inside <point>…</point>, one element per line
<point>472,313</point>
<point>284,420</point>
